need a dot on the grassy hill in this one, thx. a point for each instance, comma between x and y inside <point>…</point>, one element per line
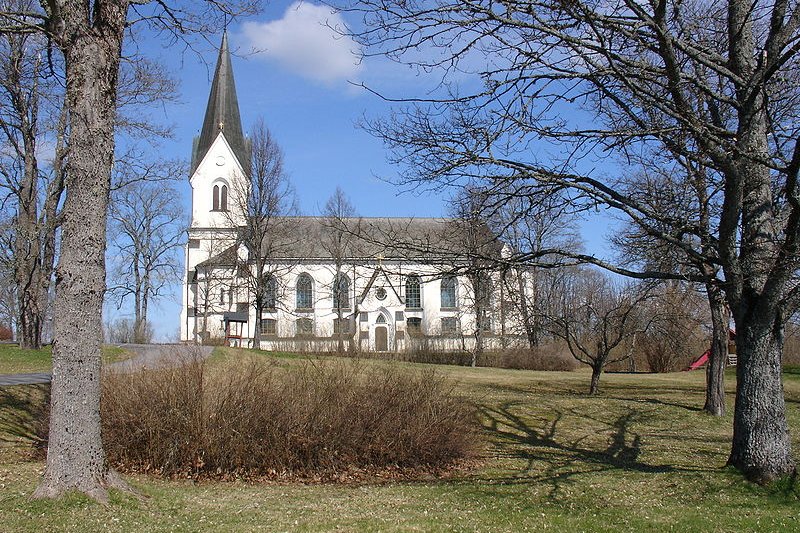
<point>640,457</point>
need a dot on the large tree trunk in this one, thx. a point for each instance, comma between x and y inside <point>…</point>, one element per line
<point>761,444</point>
<point>594,384</point>
<point>528,321</point>
<point>27,248</point>
<point>758,279</point>
<point>92,44</point>
<point>715,370</point>
<point>30,313</point>
<point>257,330</point>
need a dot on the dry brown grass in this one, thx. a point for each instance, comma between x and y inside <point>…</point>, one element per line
<point>548,357</point>
<point>314,420</point>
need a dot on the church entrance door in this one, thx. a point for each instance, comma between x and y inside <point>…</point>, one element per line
<point>381,339</point>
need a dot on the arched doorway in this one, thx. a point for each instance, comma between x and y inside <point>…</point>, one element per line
<point>381,334</point>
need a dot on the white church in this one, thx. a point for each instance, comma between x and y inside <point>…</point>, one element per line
<point>378,297</point>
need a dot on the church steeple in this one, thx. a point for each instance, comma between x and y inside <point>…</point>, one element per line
<point>222,113</point>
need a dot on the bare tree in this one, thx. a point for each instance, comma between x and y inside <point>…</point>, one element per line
<point>89,36</point>
<point>259,207</point>
<point>35,121</point>
<point>530,226</point>
<point>339,240</point>
<point>598,319</point>
<point>681,197</point>
<point>144,234</point>
<point>653,80</point>
<point>472,243</point>
<point>32,119</point>
<point>677,332</point>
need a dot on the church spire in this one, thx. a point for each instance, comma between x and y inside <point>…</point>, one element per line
<point>222,113</point>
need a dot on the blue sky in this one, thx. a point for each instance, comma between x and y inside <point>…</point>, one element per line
<point>299,76</point>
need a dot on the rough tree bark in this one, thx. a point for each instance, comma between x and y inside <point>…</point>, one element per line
<point>761,444</point>
<point>27,256</point>
<point>594,384</point>
<point>757,278</point>
<point>718,359</point>
<point>91,40</point>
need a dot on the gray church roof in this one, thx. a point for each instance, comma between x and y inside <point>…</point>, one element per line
<point>418,239</point>
<point>222,114</point>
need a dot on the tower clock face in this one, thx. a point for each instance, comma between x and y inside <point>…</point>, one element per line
<point>380,293</point>
<point>220,161</point>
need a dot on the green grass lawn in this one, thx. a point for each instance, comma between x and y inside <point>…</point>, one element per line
<point>14,360</point>
<point>641,457</point>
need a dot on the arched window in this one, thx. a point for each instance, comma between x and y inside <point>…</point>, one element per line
<point>413,296</point>
<point>305,291</point>
<point>414,326</point>
<point>341,291</point>
<point>219,198</point>
<point>271,293</point>
<point>448,289</point>
<point>381,319</point>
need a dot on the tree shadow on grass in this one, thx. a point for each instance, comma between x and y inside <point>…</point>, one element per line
<point>655,401</point>
<point>556,458</point>
<point>23,412</point>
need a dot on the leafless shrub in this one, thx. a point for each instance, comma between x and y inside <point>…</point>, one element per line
<point>549,357</point>
<point>315,420</point>
<point>123,330</point>
<point>676,334</point>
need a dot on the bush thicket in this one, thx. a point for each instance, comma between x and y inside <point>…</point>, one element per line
<point>317,420</point>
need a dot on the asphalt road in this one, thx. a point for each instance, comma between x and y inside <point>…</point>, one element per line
<point>145,356</point>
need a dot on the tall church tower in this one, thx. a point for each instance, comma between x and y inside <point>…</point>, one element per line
<point>218,176</point>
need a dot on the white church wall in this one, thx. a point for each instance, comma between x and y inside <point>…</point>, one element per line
<point>363,315</point>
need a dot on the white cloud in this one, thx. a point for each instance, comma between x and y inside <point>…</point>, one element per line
<point>304,42</point>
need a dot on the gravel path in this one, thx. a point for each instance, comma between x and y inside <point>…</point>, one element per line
<point>156,355</point>
<point>145,356</point>
<point>6,380</point>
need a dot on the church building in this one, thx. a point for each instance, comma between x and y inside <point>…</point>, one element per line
<point>368,295</point>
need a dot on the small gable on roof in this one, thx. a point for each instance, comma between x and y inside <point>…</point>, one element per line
<point>380,279</point>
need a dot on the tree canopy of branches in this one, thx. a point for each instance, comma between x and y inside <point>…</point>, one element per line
<point>711,84</point>
<point>144,233</point>
<point>259,206</point>
<point>678,193</point>
<point>340,243</point>
<point>30,119</point>
<point>598,319</point>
